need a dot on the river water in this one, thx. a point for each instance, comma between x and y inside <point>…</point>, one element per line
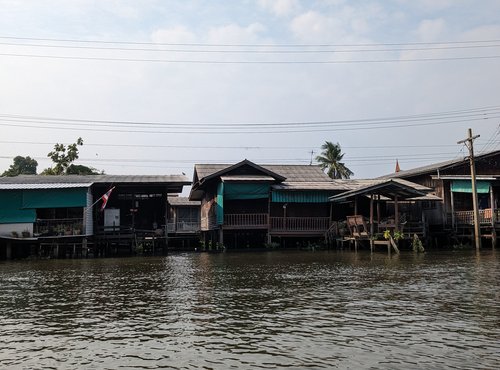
<point>253,310</point>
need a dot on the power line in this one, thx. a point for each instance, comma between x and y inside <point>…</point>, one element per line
<point>463,113</point>
<point>211,131</point>
<point>252,62</point>
<point>244,147</point>
<point>254,51</point>
<point>250,45</point>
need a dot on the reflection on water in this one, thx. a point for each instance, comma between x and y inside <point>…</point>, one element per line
<point>253,310</point>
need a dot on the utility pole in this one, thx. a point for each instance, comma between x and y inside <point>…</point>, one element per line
<point>469,144</point>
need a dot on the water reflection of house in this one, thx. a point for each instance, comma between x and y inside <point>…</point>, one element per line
<point>451,181</point>
<point>53,214</point>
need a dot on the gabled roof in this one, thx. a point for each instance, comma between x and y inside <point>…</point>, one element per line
<point>432,168</point>
<point>389,188</point>
<point>204,172</point>
<point>289,176</point>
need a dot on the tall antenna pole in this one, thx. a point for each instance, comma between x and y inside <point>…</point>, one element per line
<point>469,143</point>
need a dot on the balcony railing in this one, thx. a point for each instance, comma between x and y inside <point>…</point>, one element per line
<point>467,217</point>
<point>300,223</point>
<point>59,226</point>
<point>246,220</point>
<point>183,227</point>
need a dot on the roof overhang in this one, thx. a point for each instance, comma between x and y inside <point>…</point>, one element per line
<point>390,188</point>
<point>466,177</point>
<point>44,186</point>
<point>247,179</point>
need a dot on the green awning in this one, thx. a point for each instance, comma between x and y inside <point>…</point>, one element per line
<point>465,186</point>
<point>301,196</point>
<point>55,198</point>
<point>11,211</point>
<point>246,191</point>
<point>219,210</point>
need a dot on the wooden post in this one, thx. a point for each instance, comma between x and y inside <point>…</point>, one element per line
<point>355,204</point>
<point>371,223</point>
<point>396,214</point>
<point>269,219</point>
<point>493,218</point>
<point>378,209</point>
<point>221,236</point>
<point>8,250</point>
<point>453,226</point>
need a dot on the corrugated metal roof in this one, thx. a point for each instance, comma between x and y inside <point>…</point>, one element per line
<point>386,187</point>
<point>436,166</point>
<point>292,173</point>
<point>183,201</point>
<point>43,186</point>
<point>94,179</point>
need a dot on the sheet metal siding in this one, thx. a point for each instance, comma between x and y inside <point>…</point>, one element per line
<point>89,214</point>
<point>301,197</point>
<point>54,198</point>
<point>11,211</point>
<point>219,210</point>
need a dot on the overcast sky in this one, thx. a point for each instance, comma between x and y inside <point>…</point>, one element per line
<point>153,87</point>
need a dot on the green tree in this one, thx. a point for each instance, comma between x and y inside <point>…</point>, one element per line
<point>330,159</point>
<point>63,158</point>
<point>22,166</point>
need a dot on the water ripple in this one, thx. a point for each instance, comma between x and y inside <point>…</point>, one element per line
<point>257,310</point>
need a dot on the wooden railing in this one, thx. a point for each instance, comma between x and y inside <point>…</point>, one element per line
<point>467,217</point>
<point>246,220</point>
<point>300,223</point>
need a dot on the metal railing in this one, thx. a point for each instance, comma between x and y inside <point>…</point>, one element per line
<point>300,223</point>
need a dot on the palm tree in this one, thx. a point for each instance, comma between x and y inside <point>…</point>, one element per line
<point>330,159</point>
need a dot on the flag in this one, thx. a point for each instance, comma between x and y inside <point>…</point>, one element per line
<point>105,198</point>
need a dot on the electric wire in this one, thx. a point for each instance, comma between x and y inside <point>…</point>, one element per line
<point>251,45</point>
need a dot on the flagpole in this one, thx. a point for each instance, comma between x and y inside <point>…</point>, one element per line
<point>93,204</point>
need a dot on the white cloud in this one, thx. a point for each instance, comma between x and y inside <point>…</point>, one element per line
<point>235,34</point>
<point>173,35</point>
<point>280,8</point>
<point>431,30</point>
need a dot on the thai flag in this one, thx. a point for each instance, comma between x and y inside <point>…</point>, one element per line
<point>105,198</point>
